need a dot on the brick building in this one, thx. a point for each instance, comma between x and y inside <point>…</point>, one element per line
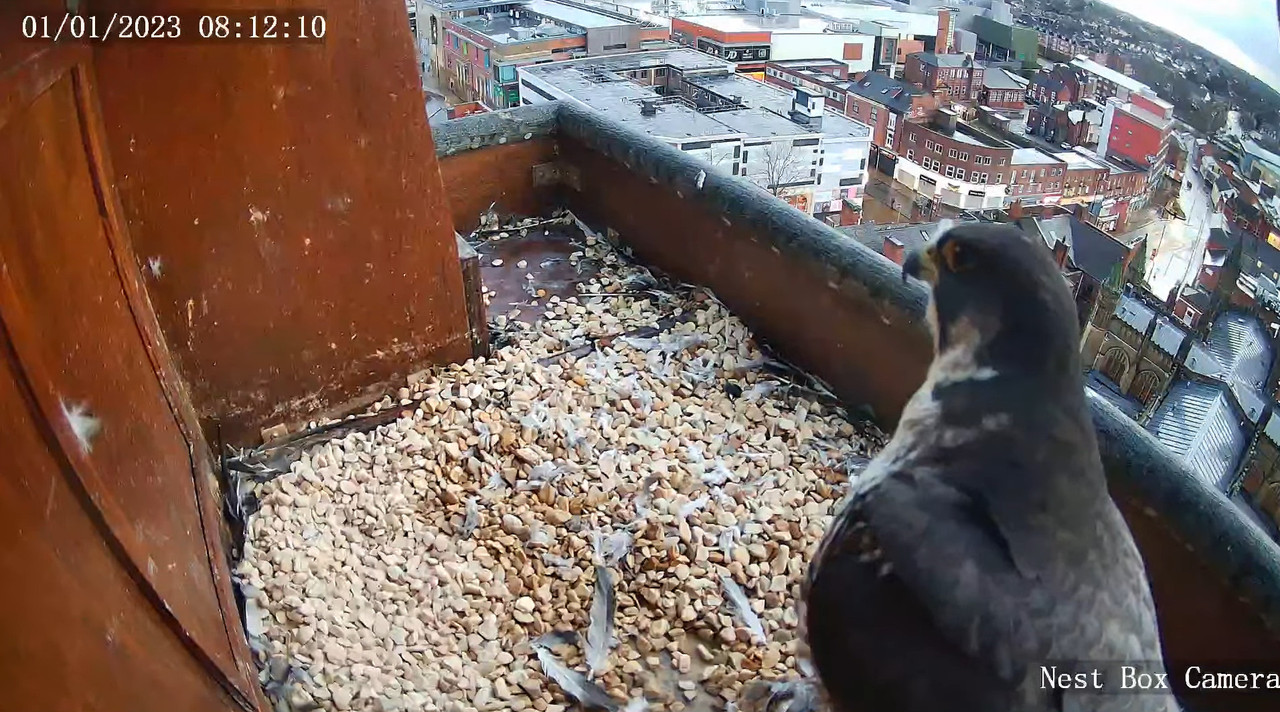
<point>1057,84</point>
<point>750,40</point>
<point>1085,179</point>
<point>1002,89</point>
<point>1036,177</point>
<point>481,52</point>
<point>887,105</point>
<point>1137,130</point>
<point>1078,123</point>
<point>1102,82</point>
<point>827,78</point>
<point>953,163</point>
<point>956,75</point>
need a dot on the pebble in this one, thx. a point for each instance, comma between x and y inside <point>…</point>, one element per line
<point>373,577</point>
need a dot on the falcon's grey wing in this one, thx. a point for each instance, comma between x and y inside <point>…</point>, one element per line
<point>915,598</point>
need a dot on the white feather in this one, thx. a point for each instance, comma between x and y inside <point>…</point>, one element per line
<point>600,628</point>
<point>472,519</point>
<point>84,425</point>
<point>738,598</point>
<point>574,683</point>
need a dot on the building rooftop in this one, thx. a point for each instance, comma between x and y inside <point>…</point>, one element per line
<point>895,94</point>
<point>814,62</point>
<point>468,4</point>
<point>504,29</point>
<point>766,96</point>
<point>1146,116</point>
<point>1089,249</point>
<point>1203,419</point>
<point>946,60</point>
<point>1000,78</point>
<point>576,15</point>
<point>1031,156</point>
<point>1077,160</point>
<point>601,84</point>
<point>1107,73</point>
<point>758,123</point>
<point>889,17</point>
<point>753,22</point>
<point>1196,422</point>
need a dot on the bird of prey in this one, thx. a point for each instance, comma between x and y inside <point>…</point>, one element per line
<point>979,557</point>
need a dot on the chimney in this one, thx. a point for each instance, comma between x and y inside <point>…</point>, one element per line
<point>945,120</point>
<point>1060,253</point>
<point>894,250</point>
<point>807,109</point>
<point>946,28</point>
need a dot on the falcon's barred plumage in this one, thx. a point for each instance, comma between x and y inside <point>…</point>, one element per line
<point>981,543</point>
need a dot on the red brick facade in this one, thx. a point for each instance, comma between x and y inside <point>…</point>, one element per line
<point>954,158</point>
<point>959,82</point>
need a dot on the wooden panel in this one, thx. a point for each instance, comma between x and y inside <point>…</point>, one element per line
<point>56,252</point>
<point>290,200</point>
<point>79,633</point>
<point>83,339</point>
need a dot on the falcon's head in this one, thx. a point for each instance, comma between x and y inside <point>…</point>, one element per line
<point>998,304</point>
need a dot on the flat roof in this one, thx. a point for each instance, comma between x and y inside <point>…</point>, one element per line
<point>1111,75</point>
<point>814,61</point>
<point>600,83</point>
<point>752,22</point>
<point>574,15</point>
<point>1031,156</point>
<point>758,123</point>
<point>912,23</point>
<point>1077,160</point>
<point>766,96</point>
<point>499,28</point>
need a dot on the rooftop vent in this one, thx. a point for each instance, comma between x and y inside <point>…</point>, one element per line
<point>648,107</point>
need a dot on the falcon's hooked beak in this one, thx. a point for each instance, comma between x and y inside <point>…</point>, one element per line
<point>921,263</point>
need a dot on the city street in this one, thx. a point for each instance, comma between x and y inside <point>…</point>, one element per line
<point>1174,247</point>
<point>439,98</point>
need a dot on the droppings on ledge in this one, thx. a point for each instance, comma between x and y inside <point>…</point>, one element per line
<point>448,559</point>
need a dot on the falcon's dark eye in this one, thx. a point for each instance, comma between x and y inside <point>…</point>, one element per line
<point>956,257</point>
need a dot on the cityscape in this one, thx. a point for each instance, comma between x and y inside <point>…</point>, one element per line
<point>881,119</point>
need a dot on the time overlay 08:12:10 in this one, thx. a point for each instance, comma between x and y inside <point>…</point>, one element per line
<point>301,26</point>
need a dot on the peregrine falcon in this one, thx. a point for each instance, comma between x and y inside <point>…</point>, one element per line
<point>979,557</point>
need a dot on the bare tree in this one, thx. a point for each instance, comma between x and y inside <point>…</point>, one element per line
<point>783,165</point>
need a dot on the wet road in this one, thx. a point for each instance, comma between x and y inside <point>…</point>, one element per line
<point>1175,247</point>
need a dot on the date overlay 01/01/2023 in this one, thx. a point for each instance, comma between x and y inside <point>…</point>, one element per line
<point>209,26</point>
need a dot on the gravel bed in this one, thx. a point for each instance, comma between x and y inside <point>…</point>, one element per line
<point>579,518</point>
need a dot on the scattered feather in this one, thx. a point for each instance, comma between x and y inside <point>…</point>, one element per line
<point>574,683</point>
<point>718,474</point>
<point>728,538</point>
<point>610,550</point>
<point>734,594</point>
<point>472,519</point>
<point>83,425</point>
<point>759,391</point>
<point>600,628</point>
<point>691,508</point>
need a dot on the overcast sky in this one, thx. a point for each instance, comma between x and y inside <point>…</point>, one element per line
<point>1242,32</point>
